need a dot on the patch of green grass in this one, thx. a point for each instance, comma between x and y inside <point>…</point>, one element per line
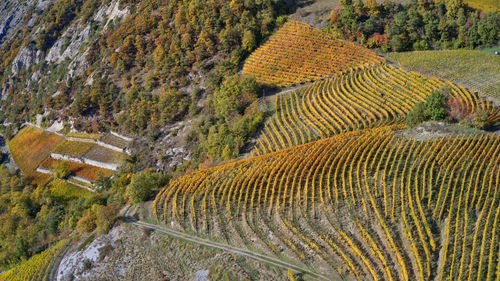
<point>64,192</point>
<point>477,70</point>
<point>492,50</point>
<point>86,242</point>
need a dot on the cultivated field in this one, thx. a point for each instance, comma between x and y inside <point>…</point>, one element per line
<point>31,146</point>
<point>366,206</point>
<point>78,169</point>
<point>73,148</point>
<point>103,154</point>
<point>37,267</point>
<point>299,53</point>
<point>361,99</point>
<point>477,70</point>
<point>485,5</point>
<point>84,135</point>
<point>115,141</point>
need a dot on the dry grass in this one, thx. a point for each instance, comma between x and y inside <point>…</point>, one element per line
<point>78,169</point>
<point>30,147</point>
<point>73,148</point>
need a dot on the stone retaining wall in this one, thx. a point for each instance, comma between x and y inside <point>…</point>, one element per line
<point>121,136</point>
<point>77,178</point>
<point>109,146</point>
<point>83,160</point>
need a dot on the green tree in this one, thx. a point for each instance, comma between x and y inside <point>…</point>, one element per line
<point>452,7</point>
<point>61,170</point>
<point>249,41</point>
<point>416,115</point>
<point>142,184</point>
<point>22,248</point>
<point>435,106</point>
<point>346,3</point>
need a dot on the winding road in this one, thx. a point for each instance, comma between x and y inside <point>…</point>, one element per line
<point>231,249</point>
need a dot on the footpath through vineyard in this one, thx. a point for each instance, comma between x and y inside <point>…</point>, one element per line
<point>366,205</point>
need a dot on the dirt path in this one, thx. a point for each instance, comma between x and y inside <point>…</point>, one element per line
<point>238,251</point>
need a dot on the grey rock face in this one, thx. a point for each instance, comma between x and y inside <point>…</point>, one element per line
<point>26,58</point>
<point>12,13</point>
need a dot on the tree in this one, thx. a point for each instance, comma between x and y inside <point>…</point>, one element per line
<point>435,106</point>
<point>86,223</point>
<point>346,3</point>
<point>249,41</point>
<point>22,248</point>
<point>142,184</point>
<point>106,217</point>
<point>416,115</point>
<point>452,7</point>
<point>61,170</point>
<point>372,7</point>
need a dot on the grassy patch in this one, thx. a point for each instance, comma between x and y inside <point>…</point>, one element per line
<point>476,70</point>
<point>491,50</point>
<point>86,242</point>
<point>78,169</point>
<point>64,192</point>
<point>30,147</point>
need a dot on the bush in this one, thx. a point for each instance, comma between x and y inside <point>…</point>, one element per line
<point>478,120</point>
<point>457,110</point>
<point>435,106</point>
<point>106,217</point>
<point>142,184</point>
<point>416,115</point>
<point>62,170</point>
<point>86,224</point>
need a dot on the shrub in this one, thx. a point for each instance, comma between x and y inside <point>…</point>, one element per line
<point>87,223</point>
<point>456,109</point>
<point>416,115</point>
<point>106,217</point>
<point>61,170</point>
<point>142,184</point>
<point>478,120</point>
<point>435,105</point>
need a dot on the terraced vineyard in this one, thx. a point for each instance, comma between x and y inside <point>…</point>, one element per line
<point>78,169</point>
<point>360,99</point>
<point>37,268</point>
<point>366,205</point>
<point>299,53</point>
<point>73,148</point>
